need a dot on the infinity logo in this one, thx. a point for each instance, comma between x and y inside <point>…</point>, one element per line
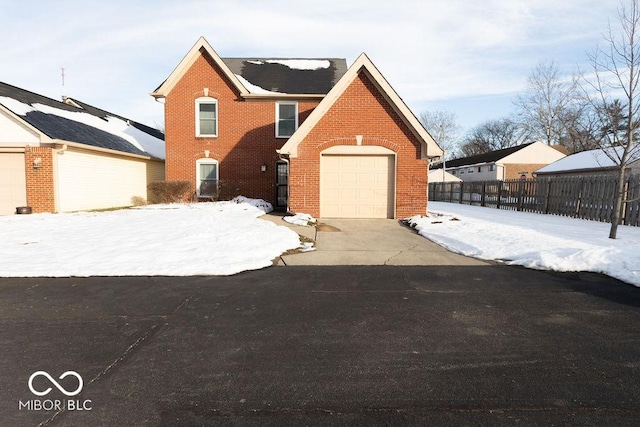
<point>55,383</point>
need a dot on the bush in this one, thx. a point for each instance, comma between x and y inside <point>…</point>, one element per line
<point>168,191</point>
<point>138,201</point>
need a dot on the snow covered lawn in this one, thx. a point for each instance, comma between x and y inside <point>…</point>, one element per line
<point>174,240</point>
<point>533,240</point>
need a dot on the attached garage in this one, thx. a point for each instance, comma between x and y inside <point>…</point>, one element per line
<point>357,182</point>
<point>13,191</point>
<point>96,180</point>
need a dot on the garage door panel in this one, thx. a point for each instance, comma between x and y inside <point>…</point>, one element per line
<point>357,186</point>
<point>13,188</point>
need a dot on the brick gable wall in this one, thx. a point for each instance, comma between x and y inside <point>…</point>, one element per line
<point>246,133</point>
<point>361,110</point>
<point>40,187</point>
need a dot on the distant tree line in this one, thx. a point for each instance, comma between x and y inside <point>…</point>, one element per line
<point>598,109</point>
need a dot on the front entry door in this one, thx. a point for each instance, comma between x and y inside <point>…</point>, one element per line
<point>282,184</point>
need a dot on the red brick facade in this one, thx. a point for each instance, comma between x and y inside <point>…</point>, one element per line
<point>246,139</point>
<point>361,110</point>
<point>246,133</point>
<point>40,186</point>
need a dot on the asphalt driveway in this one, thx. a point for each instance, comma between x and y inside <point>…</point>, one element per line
<point>342,345</point>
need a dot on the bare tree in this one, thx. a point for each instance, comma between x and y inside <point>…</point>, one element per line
<point>443,126</point>
<point>550,105</point>
<point>613,93</point>
<point>493,135</point>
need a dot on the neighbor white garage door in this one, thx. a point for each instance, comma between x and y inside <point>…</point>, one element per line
<point>13,183</point>
<point>353,186</point>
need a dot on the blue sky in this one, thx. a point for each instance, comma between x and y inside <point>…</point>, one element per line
<point>466,56</point>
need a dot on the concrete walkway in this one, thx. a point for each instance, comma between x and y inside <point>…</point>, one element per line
<point>367,242</point>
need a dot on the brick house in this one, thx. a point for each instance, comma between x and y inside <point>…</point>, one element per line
<point>308,135</point>
<point>69,156</point>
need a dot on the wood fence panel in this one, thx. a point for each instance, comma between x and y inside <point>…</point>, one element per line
<point>587,197</point>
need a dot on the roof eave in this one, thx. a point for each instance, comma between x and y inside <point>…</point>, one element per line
<point>429,148</point>
<point>163,90</point>
<point>271,96</point>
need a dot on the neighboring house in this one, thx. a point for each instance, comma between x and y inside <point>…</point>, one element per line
<point>69,156</point>
<point>591,162</point>
<point>509,163</point>
<point>439,175</point>
<point>308,135</point>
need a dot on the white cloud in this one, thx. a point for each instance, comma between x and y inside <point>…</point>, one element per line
<point>117,52</point>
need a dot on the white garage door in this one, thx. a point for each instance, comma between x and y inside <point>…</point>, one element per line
<point>354,186</point>
<point>13,182</point>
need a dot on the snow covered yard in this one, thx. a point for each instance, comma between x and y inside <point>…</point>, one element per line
<point>174,240</point>
<point>533,240</point>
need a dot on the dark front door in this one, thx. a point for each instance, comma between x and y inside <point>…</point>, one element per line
<point>282,184</point>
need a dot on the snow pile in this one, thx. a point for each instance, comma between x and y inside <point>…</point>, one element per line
<point>264,206</point>
<point>219,238</point>
<point>533,240</point>
<point>303,219</point>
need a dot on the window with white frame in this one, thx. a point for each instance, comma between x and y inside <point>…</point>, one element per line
<point>479,168</point>
<point>207,117</point>
<point>492,168</point>
<point>207,177</point>
<point>470,170</point>
<point>286,119</point>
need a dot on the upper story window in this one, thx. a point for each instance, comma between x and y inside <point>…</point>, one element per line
<point>479,168</point>
<point>207,117</point>
<point>286,119</point>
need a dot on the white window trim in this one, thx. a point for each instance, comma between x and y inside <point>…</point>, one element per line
<point>206,100</point>
<point>205,161</point>
<point>278,117</point>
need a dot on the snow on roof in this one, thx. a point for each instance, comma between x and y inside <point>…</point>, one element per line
<point>253,88</point>
<point>586,160</point>
<point>302,64</point>
<point>119,134</point>
<point>295,64</point>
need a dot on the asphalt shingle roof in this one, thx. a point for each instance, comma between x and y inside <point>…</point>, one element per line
<point>490,157</point>
<point>58,127</point>
<point>276,76</point>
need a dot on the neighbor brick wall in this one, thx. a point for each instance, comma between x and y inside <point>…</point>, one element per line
<point>246,133</point>
<point>514,171</point>
<point>361,110</point>
<point>40,187</point>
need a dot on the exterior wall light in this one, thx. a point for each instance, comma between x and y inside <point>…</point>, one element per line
<point>263,168</point>
<point>36,162</point>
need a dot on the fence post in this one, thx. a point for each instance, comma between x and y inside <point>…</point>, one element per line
<point>520,194</point>
<point>547,197</point>
<point>499,194</point>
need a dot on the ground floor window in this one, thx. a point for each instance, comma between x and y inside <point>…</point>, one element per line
<point>207,177</point>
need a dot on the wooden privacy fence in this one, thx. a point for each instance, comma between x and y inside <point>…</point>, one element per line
<point>587,197</point>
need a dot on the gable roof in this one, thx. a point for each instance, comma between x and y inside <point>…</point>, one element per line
<point>80,123</point>
<point>490,157</point>
<point>589,161</point>
<point>363,65</point>
<point>264,77</point>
